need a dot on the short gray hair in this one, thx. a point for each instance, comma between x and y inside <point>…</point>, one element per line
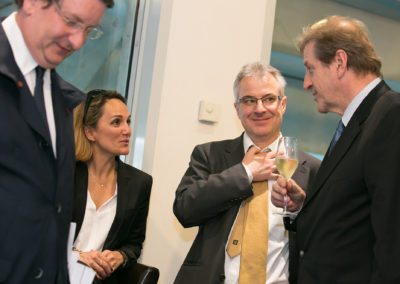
<point>259,70</point>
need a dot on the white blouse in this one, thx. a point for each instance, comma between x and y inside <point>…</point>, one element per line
<point>96,224</point>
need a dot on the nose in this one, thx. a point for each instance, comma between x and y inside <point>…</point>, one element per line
<point>260,106</point>
<point>307,84</point>
<point>127,130</point>
<point>77,39</point>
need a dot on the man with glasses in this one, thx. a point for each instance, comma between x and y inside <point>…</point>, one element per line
<point>36,141</point>
<point>217,186</point>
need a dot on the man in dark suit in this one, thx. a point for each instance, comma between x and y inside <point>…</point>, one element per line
<point>219,181</point>
<point>36,141</point>
<point>347,228</point>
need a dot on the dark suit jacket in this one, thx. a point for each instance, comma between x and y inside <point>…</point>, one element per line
<point>348,230</point>
<point>128,229</point>
<point>209,196</point>
<point>35,187</point>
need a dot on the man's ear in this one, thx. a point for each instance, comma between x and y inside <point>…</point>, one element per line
<point>236,105</point>
<point>284,100</point>
<point>340,60</point>
<point>28,6</point>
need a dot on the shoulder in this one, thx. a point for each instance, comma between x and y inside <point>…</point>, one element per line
<point>72,96</point>
<point>126,170</point>
<point>220,146</point>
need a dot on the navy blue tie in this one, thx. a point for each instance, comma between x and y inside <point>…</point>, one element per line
<point>336,137</point>
<point>38,93</point>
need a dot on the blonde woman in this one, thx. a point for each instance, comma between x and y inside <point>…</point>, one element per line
<point>111,198</point>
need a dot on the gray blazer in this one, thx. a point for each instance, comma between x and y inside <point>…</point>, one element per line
<point>209,196</point>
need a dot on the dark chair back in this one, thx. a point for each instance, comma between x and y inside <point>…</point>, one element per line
<point>138,274</point>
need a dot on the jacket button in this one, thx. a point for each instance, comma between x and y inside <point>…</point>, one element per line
<point>301,253</point>
<point>222,277</point>
<point>58,207</point>
<point>38,273</point>
<point>43,144</point>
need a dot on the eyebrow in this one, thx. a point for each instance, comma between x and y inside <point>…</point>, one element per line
<point>269,94</point>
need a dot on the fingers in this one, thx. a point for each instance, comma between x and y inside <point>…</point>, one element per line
<point>96,261</point>
<point>278,192</point>
<point>296,195</point>
<point>114,258</point>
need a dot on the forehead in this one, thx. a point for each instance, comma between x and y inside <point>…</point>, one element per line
<point>115,107</point>
<point>258,86</point>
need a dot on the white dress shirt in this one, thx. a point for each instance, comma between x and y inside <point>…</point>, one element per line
<point>27,65</point>
<point>355,103</point>
<point>278,239</point>
<point>96,224</point>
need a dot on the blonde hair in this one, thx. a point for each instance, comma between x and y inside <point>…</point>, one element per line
<point>94,105</point>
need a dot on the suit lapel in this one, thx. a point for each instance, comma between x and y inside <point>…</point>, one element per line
<point>349,135</point>
<point>81,195</point>
<point>122,203</point>
<point>234,152</point>
<point>65,96</point>
<point>27,105</point>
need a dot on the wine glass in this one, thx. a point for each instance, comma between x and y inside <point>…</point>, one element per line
<point>286,162</point>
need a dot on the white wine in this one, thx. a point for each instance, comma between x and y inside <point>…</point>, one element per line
<point>286,167</point>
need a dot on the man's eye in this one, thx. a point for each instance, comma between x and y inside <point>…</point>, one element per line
<point>250,101</point>
<point>269,99</point>
<point>69,22</point>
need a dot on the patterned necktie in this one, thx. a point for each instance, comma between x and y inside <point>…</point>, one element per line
<point>336,137</point>
<point>249,236</point>
<point>38,93</point>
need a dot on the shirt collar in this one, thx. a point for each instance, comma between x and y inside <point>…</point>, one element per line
<point>21,53</point>
<point>355,103</point>
<point>247,142</point>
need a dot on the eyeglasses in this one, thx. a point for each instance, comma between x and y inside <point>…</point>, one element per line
<point>267,100</point>
<point>90,32</point>
<point>90,96</point>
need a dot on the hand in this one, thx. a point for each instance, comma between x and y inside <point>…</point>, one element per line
<point>115,258</point>
<point>261,165</point>
<point>295,194</point>
<point>98,262</point>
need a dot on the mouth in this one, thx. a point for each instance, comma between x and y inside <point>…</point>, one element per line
<point>314,93</point>
<point>260,120</point>
<point>63,49</point>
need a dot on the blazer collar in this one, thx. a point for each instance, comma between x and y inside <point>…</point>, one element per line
<point>123,179</point>
<point>65,96</point>
<point>234,151</point>
<point>349,135</point>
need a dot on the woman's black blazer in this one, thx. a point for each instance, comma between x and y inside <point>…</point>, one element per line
<point>128,229</point>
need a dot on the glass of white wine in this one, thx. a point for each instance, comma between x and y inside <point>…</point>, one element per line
<point>286,163</point>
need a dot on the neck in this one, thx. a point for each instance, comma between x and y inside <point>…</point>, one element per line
<point>354,84</point>
<point>265,142</point>
<point>101,166</point>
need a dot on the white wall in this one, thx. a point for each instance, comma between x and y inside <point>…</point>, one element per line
<point>201,46</point>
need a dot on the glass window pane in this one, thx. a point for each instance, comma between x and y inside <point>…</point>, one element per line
<point>104,63</point>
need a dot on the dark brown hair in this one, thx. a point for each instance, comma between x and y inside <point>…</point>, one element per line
<point>19,3</point>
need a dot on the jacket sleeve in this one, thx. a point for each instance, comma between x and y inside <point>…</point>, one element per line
<point>132,247</point>
<point>204,192</point>
<point>381,171</point>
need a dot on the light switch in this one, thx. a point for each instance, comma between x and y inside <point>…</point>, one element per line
<point>209,111</point>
